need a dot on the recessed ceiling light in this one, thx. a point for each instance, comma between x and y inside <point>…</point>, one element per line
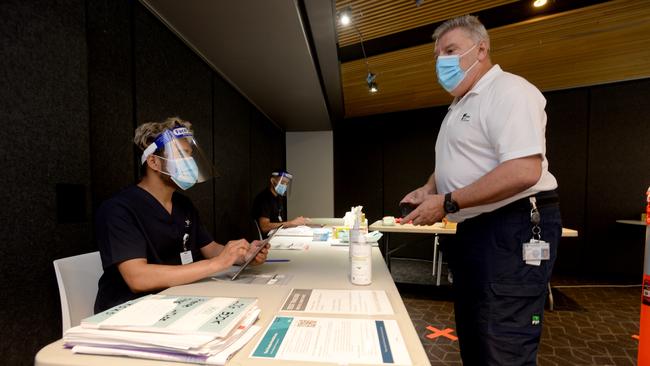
<point>539,3</point>
<point>345,16</point>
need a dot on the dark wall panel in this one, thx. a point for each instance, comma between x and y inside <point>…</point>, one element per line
<point>171,80</point>
<point>358,166</point>
<point>110,92</point>
<point>409,160</point>
<point>409,153</point>
<point>566,150</point>
<point>232,160</point>
<point>619,175</point>
<point>44,105</point>
<point>267,155</point>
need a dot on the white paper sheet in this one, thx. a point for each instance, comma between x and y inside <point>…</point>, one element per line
<point>364,302</point>
<point>333,340</point>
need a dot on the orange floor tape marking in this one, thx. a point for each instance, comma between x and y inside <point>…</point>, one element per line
<point>437,333</point>
<point>635,336</point>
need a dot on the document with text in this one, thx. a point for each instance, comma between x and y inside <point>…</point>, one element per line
<point>364,302</point>
<point>333,340</point>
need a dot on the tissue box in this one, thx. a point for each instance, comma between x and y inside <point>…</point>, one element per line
<point>321,234</point>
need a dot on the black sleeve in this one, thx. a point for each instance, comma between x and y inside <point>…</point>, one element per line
<point>119,236</point>
<point>262,207</point>
<point>203,237</point>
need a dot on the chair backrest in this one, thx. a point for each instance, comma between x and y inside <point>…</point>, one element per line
<point>259,232</point>
<point>77,278</point>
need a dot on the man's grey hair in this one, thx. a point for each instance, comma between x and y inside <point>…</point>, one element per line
<point>469,23</point>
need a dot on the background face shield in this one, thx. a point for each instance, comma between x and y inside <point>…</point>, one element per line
<point>182,158</point>
<point>282,183</point>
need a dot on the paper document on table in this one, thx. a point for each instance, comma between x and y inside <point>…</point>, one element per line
<point>333,340</point>
<point>366,302</point>
<point>296,231</point>
<point>174,314</point>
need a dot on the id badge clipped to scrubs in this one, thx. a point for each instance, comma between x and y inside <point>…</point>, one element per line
<point>536,250</point>
<point>186,255</point>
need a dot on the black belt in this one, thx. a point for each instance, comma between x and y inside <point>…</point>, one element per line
<point>543,199</point>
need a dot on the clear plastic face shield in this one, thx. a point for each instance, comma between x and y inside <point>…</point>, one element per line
<point>281,182</point>
<point>181,158</point>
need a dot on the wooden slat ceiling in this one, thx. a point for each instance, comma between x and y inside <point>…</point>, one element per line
<point>593,45</point>
<point>376,18</point>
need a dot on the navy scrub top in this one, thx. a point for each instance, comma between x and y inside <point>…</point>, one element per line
<point>269,206</point>
<point>133,224</point>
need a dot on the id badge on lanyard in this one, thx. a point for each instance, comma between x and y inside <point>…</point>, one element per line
<point>536,250</point>
<point>186,255</point>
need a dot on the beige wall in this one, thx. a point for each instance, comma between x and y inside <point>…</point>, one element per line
<point>310,158</point>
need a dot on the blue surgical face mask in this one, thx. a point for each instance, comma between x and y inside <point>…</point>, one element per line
<point>449,72</point>
<point>184,172</point>
<point>281,189</point>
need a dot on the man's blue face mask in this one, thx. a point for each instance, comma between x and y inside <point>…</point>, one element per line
<point>184,172</point>
<point>281,189</point>
<point>449,72</point>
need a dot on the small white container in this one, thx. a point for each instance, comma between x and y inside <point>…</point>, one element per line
<point>360,262</point>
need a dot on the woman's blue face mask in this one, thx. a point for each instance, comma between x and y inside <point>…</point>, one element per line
<point>449,72</point>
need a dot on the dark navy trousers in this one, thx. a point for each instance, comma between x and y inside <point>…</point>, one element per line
<point>499,299</point>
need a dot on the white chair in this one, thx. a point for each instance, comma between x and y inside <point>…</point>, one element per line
<point>77,278</point>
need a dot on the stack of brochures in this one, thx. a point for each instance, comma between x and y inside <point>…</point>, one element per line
<point>206,330</point>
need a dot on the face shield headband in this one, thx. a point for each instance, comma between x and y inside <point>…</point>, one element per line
<point>181,158</point>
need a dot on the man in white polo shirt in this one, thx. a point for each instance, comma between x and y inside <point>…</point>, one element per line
<point>491,176</point>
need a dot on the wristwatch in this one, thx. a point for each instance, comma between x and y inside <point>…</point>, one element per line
<point>450,206</point>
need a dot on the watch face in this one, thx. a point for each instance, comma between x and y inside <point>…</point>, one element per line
<point>451,206</point>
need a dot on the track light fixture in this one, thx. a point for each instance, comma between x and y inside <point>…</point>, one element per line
<point>372,86</point>
<point>344,17</point>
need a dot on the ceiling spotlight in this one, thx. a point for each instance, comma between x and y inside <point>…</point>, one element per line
<point>372,85</point>
<point>345,16</point>
<point>539,3</point>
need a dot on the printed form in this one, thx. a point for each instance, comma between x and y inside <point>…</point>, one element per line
<point>364,302</point>
<point>334,340</point>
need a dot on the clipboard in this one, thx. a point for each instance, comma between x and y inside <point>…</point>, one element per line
<point>249,260</point>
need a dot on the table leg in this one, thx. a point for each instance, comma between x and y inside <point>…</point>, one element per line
<point>387,251</point>
<point>435,255</point>
<point>439,268</point>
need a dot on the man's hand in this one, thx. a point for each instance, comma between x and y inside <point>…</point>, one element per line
<point>298,221</point>
<point>428,212</point>
<point>232,253</point>
<point>261,256</point>
<point>415,197</point>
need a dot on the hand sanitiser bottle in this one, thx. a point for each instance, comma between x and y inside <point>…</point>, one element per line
<point>360,262</point>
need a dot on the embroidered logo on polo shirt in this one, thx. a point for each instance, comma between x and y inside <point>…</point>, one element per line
<point>465,117</point>
<point>188,223</point>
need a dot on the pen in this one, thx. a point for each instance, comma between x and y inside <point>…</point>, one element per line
<point>277,260</point>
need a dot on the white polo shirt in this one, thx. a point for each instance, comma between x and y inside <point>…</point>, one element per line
<point>501,118</point>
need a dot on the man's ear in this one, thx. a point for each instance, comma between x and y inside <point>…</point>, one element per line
<point>154,162</point>
<point>482,51</point>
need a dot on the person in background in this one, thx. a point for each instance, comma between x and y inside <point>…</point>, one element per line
<point>491,176</point>
<point>150,236</point>
<point>269,206</point>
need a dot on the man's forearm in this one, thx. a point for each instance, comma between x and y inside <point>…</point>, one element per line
<point>504,181</point>
<point>144,277</point>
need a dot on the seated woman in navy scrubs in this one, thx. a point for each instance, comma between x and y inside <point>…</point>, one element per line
<point>150,236</point>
